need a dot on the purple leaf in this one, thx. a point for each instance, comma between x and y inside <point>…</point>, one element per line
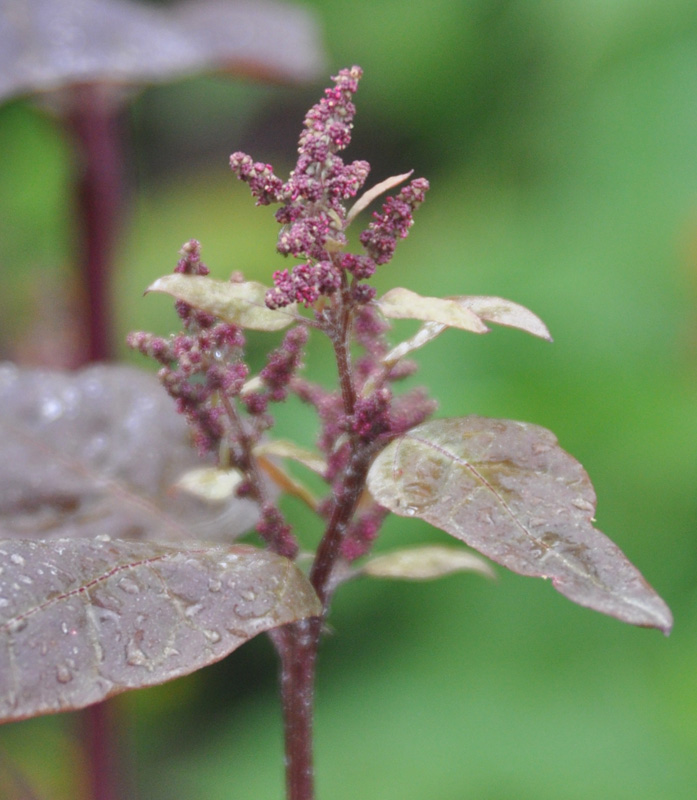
<point>509,491</point>
<point>47,45</point>
<point>99,452</point>
<point>81,620</point>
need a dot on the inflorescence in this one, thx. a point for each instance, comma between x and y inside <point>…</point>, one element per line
<point>203,367</point>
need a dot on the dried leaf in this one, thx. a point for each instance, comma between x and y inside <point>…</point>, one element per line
<point>241,304</point>
<point>286,482</point>
<point>367,197</point>
<point>505,312</point>
<point>509,491</point>
<point>210,483</point>
<point>425,563</point>
<point>426,333</point>
<point>98,452</point>
<point>287,449</point>
<point>47,45</point>
<point>401,303</point>
<point>83,619</point>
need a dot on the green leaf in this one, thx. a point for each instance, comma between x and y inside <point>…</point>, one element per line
<point>83,619</point>
<point>509,491</point>
<point>241,304</point>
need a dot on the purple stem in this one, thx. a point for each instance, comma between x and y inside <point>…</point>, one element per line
<point>94,123</point>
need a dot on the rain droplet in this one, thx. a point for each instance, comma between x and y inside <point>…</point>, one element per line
<point>63,674</point>
<point>191,611</point>
<point>102,537</point>
<point>214,585</point>
<point>51,408</point>
<point>410,511</point>
<point>17,625</point>
<point>129,586</point>
<point>65,627</point>
<point>212,635</point>
<point>582,504</point>
<point>135,656</point>
<point>15,558</point>
<point>248,594</point>
<point>25,579</point>
<point>4,602</point>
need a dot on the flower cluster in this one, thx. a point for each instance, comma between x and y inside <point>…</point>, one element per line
<point>313,214</point>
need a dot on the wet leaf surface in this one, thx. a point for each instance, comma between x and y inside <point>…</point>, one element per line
<point>242,304</point>
<point>98,452</point>
<point>509,491</point>
<point>83,619</point>
<point>48,45</point>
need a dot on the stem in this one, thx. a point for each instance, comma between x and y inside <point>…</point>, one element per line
<point>298,657</point>
<point>94,124</point>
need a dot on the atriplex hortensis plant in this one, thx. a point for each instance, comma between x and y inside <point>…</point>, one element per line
<point>139,613</point>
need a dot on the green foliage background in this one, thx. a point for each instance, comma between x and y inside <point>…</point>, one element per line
<point>560,139</point>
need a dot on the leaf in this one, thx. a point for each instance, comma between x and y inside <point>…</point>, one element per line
<point>505,312</point>
<point>98,452</point>
<point>46,45</point>
<point>287,449</point>
<point>402,303</point>
<point>241,304</point>
<point>426,333</point>
<point>425,563</point>
<point>210,483</point>
<point>367,197</point>
<point>83,619</point>
<point>509,491</point>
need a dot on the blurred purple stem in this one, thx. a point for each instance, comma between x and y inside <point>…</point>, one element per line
<point>94,122</point>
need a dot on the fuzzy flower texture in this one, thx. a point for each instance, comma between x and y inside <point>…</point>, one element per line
<point>313,214</point>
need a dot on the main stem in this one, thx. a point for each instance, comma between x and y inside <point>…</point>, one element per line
<point>298,643</point>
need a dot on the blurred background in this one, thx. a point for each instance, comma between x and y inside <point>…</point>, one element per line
<point>560,140</point>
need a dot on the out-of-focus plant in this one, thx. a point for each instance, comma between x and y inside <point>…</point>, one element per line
<point>134,590</point>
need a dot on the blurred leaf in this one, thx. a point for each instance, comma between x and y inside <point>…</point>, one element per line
<point>402,303</point>
<point>509,491</point>
<point>47,45</point>
<point>81,620</point>
<point>287,449</point>
<point>425,563</point>
<point>241,304</point>
<point>367,197</point>
<point>210,483</point>
<point>98,452</point>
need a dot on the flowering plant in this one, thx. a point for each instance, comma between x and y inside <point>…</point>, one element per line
<point>505,489</point>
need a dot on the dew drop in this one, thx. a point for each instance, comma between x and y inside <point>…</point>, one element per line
<point>212,635</point>
<point>135,656</point>
<point>4,602</point>
<point>65,627</point>
<point>410,511</point>
<point>25,579</point>
<point>63,674</point>
<point>129,586</point>
<point>248,594</point>
<point>214,585</point>
<point>191,611</point>
<point>17,625</point>
<point>15,558</point>
<point>102,537</point>
<point>582,504</point>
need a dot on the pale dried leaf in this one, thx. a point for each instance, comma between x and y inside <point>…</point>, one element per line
<point>425,563</point>
<point>509,491</point>
<point>210,483</point>
<point>426,333</point>
<point>402,303</point>
<point>241,304</point>
<point>46,45</point>
<point>286,482</point>
<point>367,197</point>
<point>98,452</point>
<point>283,448</point>
<point>83,619</point>
<point>505,312</point>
